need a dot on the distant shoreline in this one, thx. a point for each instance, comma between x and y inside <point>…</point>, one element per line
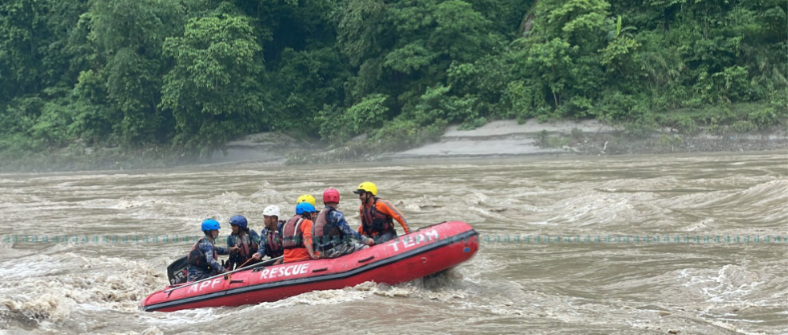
<point>503,138</point>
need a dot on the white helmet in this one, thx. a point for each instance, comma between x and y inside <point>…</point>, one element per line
<point>272,210</point>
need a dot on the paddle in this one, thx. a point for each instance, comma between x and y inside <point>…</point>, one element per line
<point>247,262</point>
<point>260,265</point>
<point>177,271</point>
<point>228,264</point>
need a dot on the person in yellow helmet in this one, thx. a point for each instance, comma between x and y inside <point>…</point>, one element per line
<point>378,215</point>
<point>308,198</point>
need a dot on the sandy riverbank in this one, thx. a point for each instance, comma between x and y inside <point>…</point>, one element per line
<point>504,138</point>
<point>508,138</point>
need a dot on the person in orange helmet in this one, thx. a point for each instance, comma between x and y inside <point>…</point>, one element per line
<point>378,215</point>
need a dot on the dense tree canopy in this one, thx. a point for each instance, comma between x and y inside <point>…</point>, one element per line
<point>194,74</point>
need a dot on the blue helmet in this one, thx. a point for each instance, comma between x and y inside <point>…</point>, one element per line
<point>210,224</point>
<point>238,220</point>
<point>304,207</point>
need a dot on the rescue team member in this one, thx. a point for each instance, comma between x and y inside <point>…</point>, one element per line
<point>203,258</point>
<point>271,239</point>
<point>297,235</point>
<point>309,199</point>
<point>331,232</point>
<point>378,215</point>
<point>244,238</point>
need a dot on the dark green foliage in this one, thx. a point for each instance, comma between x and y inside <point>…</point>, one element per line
<point>213,89</point>
<point>191,75</point>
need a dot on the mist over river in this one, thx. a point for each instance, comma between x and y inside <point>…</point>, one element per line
<point>731,279</point>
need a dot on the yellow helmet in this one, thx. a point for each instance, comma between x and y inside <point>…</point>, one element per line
<point>306,198</point>
<point>367,187</point>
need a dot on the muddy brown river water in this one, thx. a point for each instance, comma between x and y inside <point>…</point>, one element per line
<point>624,245</point>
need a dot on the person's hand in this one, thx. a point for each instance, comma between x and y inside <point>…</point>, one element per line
<point>234,250</point>
<point>314,256</point>
<point>256,257</point>
<point>370,242</point>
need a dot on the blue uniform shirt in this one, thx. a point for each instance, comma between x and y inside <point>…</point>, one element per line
<point>337,218</point>
<point>206,248</point>
<point>267,250</point>
<point>250,238</point>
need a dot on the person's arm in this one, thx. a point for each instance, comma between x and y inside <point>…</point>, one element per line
<point>255,237</point>
<point>223,251</point>
<point>207,250</point>
<point>339,219</point>
<point>232,243</point>
<point>387,208</point>
<point>254,240</point>
<point>261,247</point>
<point>361,220</point>
<point>306,229</point>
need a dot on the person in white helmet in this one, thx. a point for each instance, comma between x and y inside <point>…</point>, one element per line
<point>271,236</point>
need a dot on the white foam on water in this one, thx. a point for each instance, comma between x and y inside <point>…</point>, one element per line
<point>81,284</point>
<point>139,202</point>
<point>181,317</point>
<point>33,266</point>
<point>731,284</point>
<point>591,209</point>
<point>700,225</point>
<point>149,331</point>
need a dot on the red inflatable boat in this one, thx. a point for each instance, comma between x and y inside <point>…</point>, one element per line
<point>421,253</point>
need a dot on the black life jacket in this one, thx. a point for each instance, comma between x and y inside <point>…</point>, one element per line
<point>375,222</point>
<point>197,257</point>
<point>325,234</point>
<point>292,236</point>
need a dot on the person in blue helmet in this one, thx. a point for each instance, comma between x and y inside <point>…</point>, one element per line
<point>297,235</point>
<point>203,258</point>
<point>245,239</point>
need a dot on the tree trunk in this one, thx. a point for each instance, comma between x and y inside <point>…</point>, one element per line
<point>527,22</point>
<point>667,19</point>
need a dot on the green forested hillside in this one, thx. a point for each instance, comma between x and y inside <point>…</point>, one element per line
<point>189,75</point>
